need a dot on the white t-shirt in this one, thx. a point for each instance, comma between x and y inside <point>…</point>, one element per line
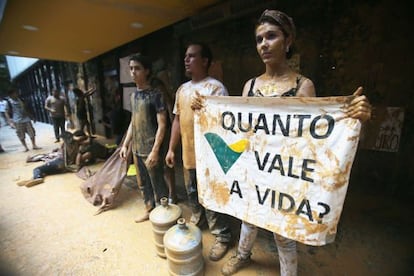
<point>182,107</point>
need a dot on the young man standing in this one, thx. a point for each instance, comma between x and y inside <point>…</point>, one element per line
<point>56,105</point>
<point>20,119</point>
<point>146,132</point>
<point>197,61</point>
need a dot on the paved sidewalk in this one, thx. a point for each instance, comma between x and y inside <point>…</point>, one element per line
<point>50,229</point>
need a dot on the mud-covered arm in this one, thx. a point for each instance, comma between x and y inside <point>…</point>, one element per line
<point>359,108</point>
<point>154,155</point>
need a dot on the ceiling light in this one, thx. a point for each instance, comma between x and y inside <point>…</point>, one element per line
<point>13,52</point>
<point>86,51</point>
<point>30,28</point>
<point>136,25</point>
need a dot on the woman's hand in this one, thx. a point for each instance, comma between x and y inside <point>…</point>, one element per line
<point>197,102</point>
<point>359,108</point>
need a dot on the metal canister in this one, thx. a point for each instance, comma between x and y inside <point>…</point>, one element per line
<point>162,218</point>
<point>184,249</point>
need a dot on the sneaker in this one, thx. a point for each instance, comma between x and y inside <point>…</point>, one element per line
<point>234,264</point>
<point>218,250</point>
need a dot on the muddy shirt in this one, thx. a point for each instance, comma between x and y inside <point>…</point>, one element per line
<point>182,107</point>
<point>145,104</point>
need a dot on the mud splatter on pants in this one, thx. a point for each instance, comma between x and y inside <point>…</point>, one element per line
<point>286,248</point>
<point>217,223</point>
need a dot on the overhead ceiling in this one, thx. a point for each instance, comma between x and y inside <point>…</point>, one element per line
<point>78,30</point>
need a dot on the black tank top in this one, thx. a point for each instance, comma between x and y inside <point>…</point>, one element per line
<point>290,93</point>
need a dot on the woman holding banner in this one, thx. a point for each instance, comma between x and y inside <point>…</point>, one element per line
<point>275,34</point>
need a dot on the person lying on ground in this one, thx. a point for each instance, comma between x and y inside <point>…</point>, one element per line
<point>74,152</point>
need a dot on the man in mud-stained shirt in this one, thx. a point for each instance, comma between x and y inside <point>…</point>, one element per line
<point>197,60</point>
<point>145,105</point>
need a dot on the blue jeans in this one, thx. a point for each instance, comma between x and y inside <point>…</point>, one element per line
<point>54,166</point>
<point>152,182</point>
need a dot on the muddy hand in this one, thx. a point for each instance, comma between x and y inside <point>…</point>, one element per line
<point>152,160</point>
<point>170,159</point>
<point>197,102</point>
<point>359,108</point>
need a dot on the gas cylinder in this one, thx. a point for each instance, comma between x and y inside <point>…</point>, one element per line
<point>184,249</point>
<point>162,218</point>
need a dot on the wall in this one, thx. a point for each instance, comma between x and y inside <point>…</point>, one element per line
<point>342,45</point>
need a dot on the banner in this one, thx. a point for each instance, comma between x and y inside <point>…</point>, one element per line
<point>282,164</point>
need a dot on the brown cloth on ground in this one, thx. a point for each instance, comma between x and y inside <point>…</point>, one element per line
<point>103,186</point>
<point>84,173</point>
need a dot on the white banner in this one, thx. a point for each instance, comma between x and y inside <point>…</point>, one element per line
<point>282,164</point>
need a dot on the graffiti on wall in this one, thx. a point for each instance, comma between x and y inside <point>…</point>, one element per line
<point>383,131</point>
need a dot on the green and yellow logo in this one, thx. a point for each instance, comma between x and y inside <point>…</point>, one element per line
<point>226,155</point>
